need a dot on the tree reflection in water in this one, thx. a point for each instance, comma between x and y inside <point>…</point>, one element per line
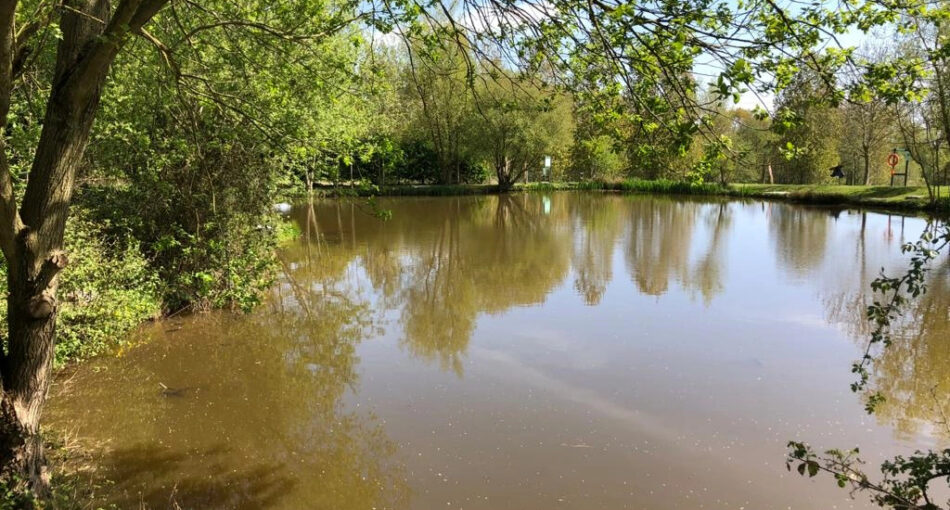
<point>597,227</point>
<point>255,412</point>
<point>800,236</point>
<point>440,262</point>
<point>911,374</point>
<point>252,413</point>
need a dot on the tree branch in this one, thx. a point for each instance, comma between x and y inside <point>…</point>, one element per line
<point>55,263</point>
<point>129,17</point>
<point>10,223</point>
<point>163,50</point>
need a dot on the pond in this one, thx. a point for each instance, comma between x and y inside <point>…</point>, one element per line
<point>528,351</point>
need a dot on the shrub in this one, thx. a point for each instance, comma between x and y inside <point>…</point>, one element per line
<point>205,256</point>
<point>106,290</point>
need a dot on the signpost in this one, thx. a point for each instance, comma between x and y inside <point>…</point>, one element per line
<point>545,200</point>
<point>892,160</point>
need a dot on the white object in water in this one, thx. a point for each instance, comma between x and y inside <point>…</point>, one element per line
<point>282,207</point>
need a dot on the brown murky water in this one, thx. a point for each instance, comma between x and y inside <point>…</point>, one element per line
<point>562,351</point>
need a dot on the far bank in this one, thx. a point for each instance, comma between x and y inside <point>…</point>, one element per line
<point>912,198</point>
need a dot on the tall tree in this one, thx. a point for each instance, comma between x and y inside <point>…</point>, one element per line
<point>924,124</point>
<point>868,133</point>
<point>436,79</point>
<point>868,123</point>
<point>518,125</point>
<point>808,132</point>
<point>755,144</point>
<point>31,236</point>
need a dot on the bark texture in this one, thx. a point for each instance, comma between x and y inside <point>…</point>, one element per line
<point>32,237</point>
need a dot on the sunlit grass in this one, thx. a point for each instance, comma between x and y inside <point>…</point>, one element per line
<point>911,197</point>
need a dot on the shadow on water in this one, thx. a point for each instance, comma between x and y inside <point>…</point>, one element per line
<point>148,476</point>
<point>263,423</point>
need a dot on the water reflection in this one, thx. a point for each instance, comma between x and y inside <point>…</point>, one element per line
<point>800,236</point>
<point>597,227</point>
<point>909,373</point>
<point>660,232</point>
<point>226,413</point>
<point>707,274</point>
<point>912,373</point>
<point>443,262</point>
<point>527,351</point>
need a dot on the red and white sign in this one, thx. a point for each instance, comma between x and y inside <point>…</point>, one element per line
<point>893,159</point>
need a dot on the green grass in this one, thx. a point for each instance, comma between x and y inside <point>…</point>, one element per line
<point>636,185</point>
<point>666,187</point>
<point>568,186</point>
<point>405,190</point>
<point>912,197</point>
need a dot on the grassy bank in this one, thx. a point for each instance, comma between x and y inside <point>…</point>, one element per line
<point>886,197</point>
<point>910,198</point>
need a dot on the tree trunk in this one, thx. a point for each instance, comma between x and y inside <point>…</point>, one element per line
<point>26,378</point>
<point>33,251</point>
<point>504,181</point>
<point>867,168</point>
<point>503,171</point>
<point>31,303</point>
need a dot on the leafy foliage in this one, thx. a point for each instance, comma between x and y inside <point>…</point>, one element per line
<point>108,289</point>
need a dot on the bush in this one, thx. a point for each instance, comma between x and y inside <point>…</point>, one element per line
<point>106,290</point>
<point>210,247</point>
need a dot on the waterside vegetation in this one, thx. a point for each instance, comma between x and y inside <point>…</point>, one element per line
<point>910,198</point>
